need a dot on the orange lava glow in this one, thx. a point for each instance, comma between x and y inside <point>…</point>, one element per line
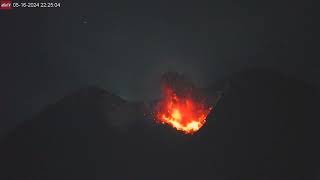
<point>183,113</point>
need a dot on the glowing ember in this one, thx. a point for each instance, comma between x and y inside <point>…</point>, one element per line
<point>183,112</point>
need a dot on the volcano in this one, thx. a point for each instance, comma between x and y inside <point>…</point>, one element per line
<point>265,126</point>
<point>183,106</point>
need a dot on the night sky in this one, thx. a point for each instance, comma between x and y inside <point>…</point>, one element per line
<point>124,47</point>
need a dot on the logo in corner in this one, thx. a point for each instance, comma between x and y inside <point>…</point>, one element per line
<point>5,4</point>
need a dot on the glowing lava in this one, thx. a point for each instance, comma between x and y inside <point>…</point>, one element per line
<point>185,113</point>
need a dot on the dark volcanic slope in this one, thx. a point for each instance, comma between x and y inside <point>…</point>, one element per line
<point>61,140</point>
<point>264,127</point>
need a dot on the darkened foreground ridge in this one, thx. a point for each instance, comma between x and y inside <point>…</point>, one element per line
<point>264,127</point>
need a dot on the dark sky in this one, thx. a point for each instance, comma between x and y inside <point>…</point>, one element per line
<point>126,46</point>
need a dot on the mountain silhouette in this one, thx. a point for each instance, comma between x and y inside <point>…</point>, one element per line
<point>264,126</point>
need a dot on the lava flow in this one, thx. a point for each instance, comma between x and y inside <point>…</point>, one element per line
<point>184,111</point>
